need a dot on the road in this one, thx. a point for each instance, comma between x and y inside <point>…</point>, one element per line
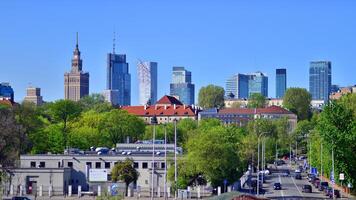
<point>291,187</point>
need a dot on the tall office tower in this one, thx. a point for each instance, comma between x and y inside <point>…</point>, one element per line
<point>237,85</point>
<point>258,83</point>
<point>76,82</point>
<point>147,82</point>
<point>34,96</point>
<point>182,87</point>
<point>320,80</point>
<point>281,82</point>
<point>118,82</point>
<point>6,92</point>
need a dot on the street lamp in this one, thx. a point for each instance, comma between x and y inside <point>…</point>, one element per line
<point>175,158</point>
<point>258,163</point>
<point>165,162</point>
<point>153,122</point>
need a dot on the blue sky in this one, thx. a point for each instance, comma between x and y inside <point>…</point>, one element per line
<point>213,39</point>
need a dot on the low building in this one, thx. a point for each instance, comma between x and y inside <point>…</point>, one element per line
<point>167,109</point>
<point>241,116</point>
<point>87,170</point>
<point>342,91</point>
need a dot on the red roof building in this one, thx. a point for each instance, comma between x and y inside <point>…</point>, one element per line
<point>167,109</point>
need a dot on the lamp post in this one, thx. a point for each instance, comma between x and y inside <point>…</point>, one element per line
<point>165,162</point>
<point>258,163</point>
<point>153,122</point>
<point>175,158</point>
<point>333,175</point>
<point>321,161</point>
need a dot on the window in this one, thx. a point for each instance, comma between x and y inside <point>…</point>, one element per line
<point>107,165</point>
<point>33,164</point>
<point>163,165</point>
<point>70,164</point>
<point>98,165</point>
<point>59,164</point>
<point>144,165</point>
<point>42,165</point>
<point>88,164</point>
<point>136,165</point>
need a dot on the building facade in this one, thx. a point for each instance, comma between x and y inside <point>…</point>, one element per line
<point>182,87</point>
<point>237,85</point>
<point>119,78</point>
<point>167,110</point>
<point>258,83</point>
<point>281,82</point>
<point>147,82</point>
<point>241,116</point>
<point>76,82</point>
<point>6,92</point>
<point>34,96</point>
<point>342,91</point>
<point>320,80</point>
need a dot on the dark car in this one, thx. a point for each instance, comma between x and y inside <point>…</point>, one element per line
<point>311,177</point>
<point>316,183</point>
<point>20,198</point>
<point>336,193</point>
<point>286,173</point>
<point>307,188</point>
<point>277,186</point>
<point>323,186</point>
<point>298,176</point>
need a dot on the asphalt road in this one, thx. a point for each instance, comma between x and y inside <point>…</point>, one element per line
<point>291,187</point>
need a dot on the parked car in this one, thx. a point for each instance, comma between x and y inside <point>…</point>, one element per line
<point>20,198</point>
<point>277,186</point>
<point>311,177</point>
<point>298,176</point>
<point>336,193</point>
<point>323,186</point>
<point>316,183</point>
<point>307,188</point>
<point>286,173</point>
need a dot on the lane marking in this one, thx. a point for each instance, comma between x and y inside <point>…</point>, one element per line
<point>297,187</point>
<point>280,181</point>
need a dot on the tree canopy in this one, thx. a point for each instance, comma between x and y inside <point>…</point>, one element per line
<point>211,96</point>
<point>297,100</point>
<point>256,100</point>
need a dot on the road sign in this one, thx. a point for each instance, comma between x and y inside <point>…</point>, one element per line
<point>342,176</point>
<point>225,181</point>
<point>314,170</point>
<point>114,189</point>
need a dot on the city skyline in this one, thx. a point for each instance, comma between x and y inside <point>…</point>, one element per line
<point>243,40</point>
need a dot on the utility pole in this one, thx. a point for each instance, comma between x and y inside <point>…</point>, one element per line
<point>333,177</point>
<point>321,162</point>
<point>258,166</point>
<point>165,162</point>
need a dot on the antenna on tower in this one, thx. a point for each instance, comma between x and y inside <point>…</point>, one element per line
<point>113,43</point>
<point>77,41</point>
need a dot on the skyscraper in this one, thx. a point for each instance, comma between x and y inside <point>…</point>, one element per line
<point>118,82</point>
<point>181,86</point>
<point>258,83</point>
<point>147,82</point>
<point>34,96</point>
<point>281,82</point>
<point>237,85</point>
<point>76,82</point>
<point>320,80</point>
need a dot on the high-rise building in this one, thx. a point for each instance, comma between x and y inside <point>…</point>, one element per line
<point>238,86</point>
<point>182,87</point>
<point>76,82</point>
<point>6,92</point>
<point>118,79</point>
<point>320,80</point>
<point>258,83</point>
<point>147,82</point>
<point>34,96</point>
<point>281,82</point>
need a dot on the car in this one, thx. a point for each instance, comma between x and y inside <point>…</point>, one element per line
<point>20,198</point>
<point>297,171</point>
<point>316,183</point>
<point>307,188</point>
<point>286,173</point>
<point>336,193</point>
<point>298,176</point>
<point>311,177</point>
<point>323,186</point>
<point>277,186</point>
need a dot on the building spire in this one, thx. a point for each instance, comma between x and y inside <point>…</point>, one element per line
<point>113,43</point>
<point>76,46</point>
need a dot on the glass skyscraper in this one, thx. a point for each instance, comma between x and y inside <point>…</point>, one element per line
<point>6,91</point>
<point>237,85</point>
<point>147,82</point>
<point>320,80</point>
<point>281,82</point>
<point>258,83</point>
<point>181,86</point>
<point>118,79</point>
